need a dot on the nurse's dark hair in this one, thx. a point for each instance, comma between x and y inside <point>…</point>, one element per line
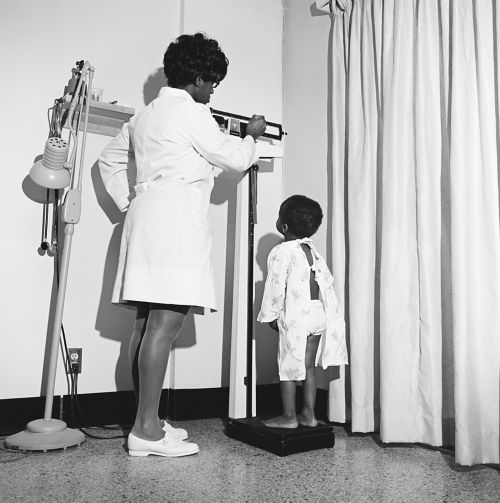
<point>191,56</point>
<point>302,215</point>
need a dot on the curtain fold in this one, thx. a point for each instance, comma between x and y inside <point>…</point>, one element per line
<point>415,224</point>
<point>338,401</point>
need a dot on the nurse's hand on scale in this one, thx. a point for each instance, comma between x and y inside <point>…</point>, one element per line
<point>256,126</point>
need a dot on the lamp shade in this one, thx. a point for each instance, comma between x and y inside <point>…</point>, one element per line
<point>49,177</point>
<point>50,171</point>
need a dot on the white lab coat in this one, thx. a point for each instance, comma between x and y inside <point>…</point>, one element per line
<point>287,298</point>
<point>165,252</point>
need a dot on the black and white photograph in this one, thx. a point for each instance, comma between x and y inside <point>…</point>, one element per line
<point>251,251</point>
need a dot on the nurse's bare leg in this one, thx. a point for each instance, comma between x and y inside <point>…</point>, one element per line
<point>162,328</point>
<point>307,417</point>
<point>288,419</point>
<point>141,318</point>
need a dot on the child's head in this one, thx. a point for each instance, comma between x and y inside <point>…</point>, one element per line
<point>299,216</point>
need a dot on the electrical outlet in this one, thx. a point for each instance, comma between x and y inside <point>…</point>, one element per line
<point>75,361</point>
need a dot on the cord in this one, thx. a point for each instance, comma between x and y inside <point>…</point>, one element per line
<point>20,455</point>
<point>77,413</point>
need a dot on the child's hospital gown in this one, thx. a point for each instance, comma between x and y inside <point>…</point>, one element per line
<point>287,299</point>
<point>165,251</point>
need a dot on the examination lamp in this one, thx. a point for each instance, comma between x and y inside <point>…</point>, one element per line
<point>55,172</point>
<point>52,171</point>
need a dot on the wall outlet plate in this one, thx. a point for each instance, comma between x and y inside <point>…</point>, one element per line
<point>75,361</point>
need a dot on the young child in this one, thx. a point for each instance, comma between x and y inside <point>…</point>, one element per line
<point>300,303</point>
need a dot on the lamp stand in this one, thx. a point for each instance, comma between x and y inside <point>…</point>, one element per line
<point>49,433</point>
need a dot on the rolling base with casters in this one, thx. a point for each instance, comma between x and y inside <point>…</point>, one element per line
<point>280,441</point>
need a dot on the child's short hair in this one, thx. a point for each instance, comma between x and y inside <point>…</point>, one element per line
<point>302,215</point>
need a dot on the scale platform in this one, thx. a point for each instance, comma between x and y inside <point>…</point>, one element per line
<point>280,441</point>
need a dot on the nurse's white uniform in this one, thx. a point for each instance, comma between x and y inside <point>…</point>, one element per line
<point>165,252</point>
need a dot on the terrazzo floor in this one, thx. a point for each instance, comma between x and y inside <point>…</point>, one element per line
<point>357,469</point>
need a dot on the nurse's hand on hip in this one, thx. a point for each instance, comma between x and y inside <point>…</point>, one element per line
<point>256,126</point>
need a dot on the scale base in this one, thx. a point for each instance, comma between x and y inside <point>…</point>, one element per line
<point>280,441</point>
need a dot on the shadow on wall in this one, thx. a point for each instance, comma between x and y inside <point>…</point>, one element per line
<point>266,339</point>
<point>116,322</point>
<point>225,189</point>
<point>225,186</point>
<point>113,321</point>
<point>41,195</point>
<point>153,84</point>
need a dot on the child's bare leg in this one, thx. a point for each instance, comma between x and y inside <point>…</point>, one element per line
<point>307,417</point>
<point>289,418</point>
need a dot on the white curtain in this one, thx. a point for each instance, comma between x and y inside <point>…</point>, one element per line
<point>416,240</point>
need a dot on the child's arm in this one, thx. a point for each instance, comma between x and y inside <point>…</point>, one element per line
<point>274,291</point>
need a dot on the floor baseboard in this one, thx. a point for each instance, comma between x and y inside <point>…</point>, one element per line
<point>96,409</point>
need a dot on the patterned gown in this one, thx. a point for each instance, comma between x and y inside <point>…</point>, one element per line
<point>287,299</point>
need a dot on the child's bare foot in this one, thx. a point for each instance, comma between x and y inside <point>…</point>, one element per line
<point>307,420</point>
<point>281,422</point>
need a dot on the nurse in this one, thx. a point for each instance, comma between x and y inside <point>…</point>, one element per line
<point>165,264</point>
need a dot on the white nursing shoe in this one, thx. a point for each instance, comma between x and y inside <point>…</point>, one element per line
<point>179,433</point>
<point>168,446</point>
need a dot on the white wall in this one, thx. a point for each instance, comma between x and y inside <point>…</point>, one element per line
<point>250,33</point>
<point>125,41</point>
<point>306,110</point>
<point>305,105</point>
